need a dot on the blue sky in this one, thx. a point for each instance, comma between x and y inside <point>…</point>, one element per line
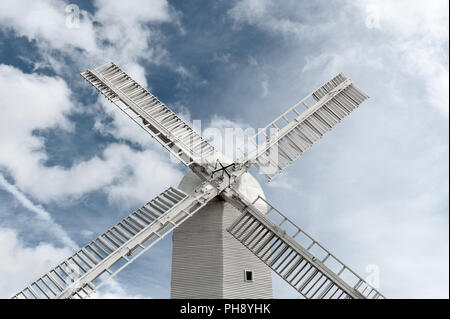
<point>373,191</point>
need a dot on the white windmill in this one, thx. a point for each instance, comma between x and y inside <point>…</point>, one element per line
<point>227,238</point>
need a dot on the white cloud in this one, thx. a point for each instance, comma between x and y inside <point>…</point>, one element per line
<point>285,181</point>
<point>270,16</point>
<point>415,31</point>
<point>314,62</point>
<point>121,126</point>
<point>87,233</point>
<point>44,106</point>
<point>21,264</point>
<point>45,21</point>
<point>421,30</point>
<point>132,12</point>
<point>149,172</point>
<point>417,235</point>
<point>122,31</point>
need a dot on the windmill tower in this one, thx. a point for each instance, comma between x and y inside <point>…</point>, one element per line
<point>227,238</point>
<point>207,262</point>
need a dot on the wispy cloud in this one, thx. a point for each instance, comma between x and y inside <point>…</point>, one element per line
<point>52,227</point>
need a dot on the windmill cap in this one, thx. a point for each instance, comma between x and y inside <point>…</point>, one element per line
<point>248,186</point>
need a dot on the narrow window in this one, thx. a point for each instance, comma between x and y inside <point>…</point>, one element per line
<point>248,275</point>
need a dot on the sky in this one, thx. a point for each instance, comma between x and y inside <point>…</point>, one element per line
<point>374,191</point>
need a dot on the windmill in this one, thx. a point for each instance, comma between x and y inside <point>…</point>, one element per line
<point>227,237</point>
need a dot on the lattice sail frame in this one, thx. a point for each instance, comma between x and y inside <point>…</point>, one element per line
<point>152,115</point>
<point>294,255</point>
<point>286,138</point>
<point>94,264</point>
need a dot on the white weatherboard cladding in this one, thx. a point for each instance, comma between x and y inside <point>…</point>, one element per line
<point>237,259</point>
<point>197,267</point>
<point>207,262</point>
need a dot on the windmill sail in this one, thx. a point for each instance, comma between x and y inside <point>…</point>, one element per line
<point>151,114</point>
<point>296,132</point>
<point>295,256</point>
<point>89,268</point>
